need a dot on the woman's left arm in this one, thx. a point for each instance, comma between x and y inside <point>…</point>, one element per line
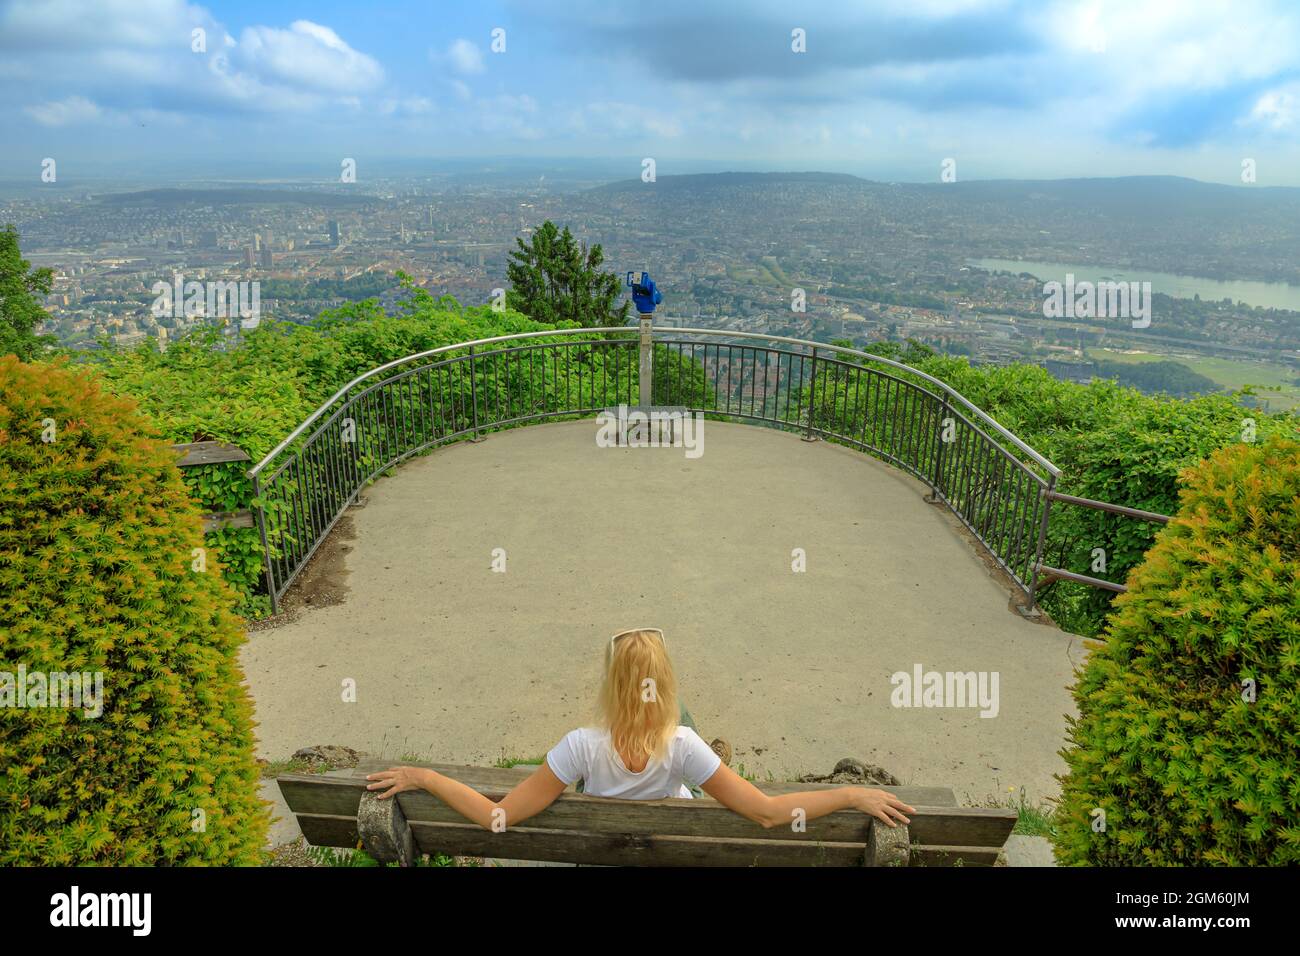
<point>528,799</point>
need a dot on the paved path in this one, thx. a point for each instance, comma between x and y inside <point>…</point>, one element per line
<point>456,663</point>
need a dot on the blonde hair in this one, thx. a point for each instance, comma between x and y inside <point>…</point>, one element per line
<point>638,698</point>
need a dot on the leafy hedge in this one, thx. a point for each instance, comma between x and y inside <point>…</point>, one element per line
<point>98,569</point>
<point>1189,713</point>
<point>254,394</point>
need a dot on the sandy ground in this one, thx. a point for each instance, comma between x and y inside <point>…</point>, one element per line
<point>454,662</point>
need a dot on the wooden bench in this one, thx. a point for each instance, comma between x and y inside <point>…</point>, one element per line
<point>338,811</point>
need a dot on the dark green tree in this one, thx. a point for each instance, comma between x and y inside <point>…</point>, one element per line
<point>556,279</point>
<point>20,310</point>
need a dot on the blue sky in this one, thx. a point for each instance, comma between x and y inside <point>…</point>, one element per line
<point>885,89</point>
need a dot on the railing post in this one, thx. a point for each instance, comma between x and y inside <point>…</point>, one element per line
<point>645,373</point>
<point>1032,609</point>
<point>266,547</point>
<point>812,398</point>
<point>473,396</point>
<point>936,486</point>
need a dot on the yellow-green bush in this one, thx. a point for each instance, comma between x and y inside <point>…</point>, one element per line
<point>1169,745</point>
<point>97,574</point>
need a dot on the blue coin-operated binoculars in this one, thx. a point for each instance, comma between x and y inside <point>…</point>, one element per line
<point>645,296</point>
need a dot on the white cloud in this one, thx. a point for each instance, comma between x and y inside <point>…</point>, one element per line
<point>612,117</point>
<point>74,109</point>
<point>136,57</point>
<point>1278,109</point>
<point>465,57</point>
<point>75,24</point>
<point>406,106</point>
<point>307,55</point>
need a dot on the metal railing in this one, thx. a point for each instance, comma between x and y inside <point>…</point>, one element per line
<point>995,484</point>
<point>1047,573</point>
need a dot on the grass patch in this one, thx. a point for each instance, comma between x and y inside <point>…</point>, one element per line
<point>273,768</point>
<point>337,857</point>
<point>506,763</point>
<point>1031,819</point>
<point>1231,374</point>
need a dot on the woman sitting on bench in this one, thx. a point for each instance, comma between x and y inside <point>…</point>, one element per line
<point>640,750</point>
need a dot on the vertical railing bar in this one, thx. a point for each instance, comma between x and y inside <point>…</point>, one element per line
<point>473,389</point>
<point>1004,502</point>
<point>1042,539</point>
<point>1012,539</point>
<point>313,494</point>
<point>408,414</point>
<point>267,573</point>
<point>985,486</point>
<point>767,364</point>
<point>857,389</point>
<point>938,483</point>
<point>298,525</point>
<point>331,463</point>
<point>976,485</point>
<point>812,387</point>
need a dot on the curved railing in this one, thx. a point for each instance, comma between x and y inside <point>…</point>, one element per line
<point>997,485</point>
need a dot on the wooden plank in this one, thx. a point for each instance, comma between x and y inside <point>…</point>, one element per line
<point>974,826</point>
<point>198,453</point>
<point>601,849</point>
<point>492,778</point>
<point>619,849</point>
<point>325,830</point>
<point>930,855</point>
<point>574,811</point>
<point>217,520</point>
<point>467,839</point>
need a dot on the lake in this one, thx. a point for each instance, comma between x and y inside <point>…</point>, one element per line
<point>1275,295</point>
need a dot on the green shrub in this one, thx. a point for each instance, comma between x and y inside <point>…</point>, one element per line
<point>97,575</point>
<point>1185,768</point>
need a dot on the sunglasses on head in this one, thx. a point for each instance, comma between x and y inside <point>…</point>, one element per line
<point>633,630</point>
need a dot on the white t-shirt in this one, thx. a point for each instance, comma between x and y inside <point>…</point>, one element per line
<point>587,754</point>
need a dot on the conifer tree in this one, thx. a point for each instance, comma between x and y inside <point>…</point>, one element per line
<point>554,278</point>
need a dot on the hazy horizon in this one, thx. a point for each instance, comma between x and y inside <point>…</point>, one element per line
<point>889,91</point>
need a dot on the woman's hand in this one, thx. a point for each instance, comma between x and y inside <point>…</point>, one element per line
<point>883,806</point>
<point>396,779</point>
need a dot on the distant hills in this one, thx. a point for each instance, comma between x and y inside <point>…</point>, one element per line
<point>697,181</point>
<point>1126,189</point>
<point>236,197</point>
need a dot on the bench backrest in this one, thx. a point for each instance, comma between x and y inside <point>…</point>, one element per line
<point>338,811</point>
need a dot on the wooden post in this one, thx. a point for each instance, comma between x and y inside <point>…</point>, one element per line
<point>887,846</point>
<point>384,831</point>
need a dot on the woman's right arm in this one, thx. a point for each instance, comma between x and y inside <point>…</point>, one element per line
<point>528,799</point>
<point>734,791</point>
